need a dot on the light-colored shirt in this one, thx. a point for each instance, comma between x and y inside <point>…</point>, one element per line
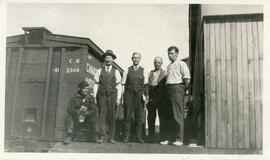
<point>117,77</point>
<point>155,77</point>
<point>177,71</point>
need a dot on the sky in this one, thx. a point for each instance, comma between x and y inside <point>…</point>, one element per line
<point>125,28</point>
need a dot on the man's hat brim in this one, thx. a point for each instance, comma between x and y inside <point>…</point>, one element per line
<point>83,84</point>
<point>109,54</point>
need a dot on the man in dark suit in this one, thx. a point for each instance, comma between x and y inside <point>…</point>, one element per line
<point>134,80</point>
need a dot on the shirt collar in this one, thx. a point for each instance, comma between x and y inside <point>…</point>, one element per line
<point>108,67</point>
<point>178,58</point>
<point>136,67</point>
<point>157,70</point>
<point>78,95</point>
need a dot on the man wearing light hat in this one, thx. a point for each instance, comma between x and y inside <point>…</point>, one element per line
<point>107,91</point>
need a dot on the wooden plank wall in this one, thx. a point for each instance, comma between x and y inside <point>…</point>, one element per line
<point>233,55</point>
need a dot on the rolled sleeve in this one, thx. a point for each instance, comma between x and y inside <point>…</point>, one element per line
<point>145,74</point>
<point>96,82</point>
<point>148,76</point>
<point>118,76</point>
<point>184,70</point>
<point>118,84</point>
<point>124,77</point>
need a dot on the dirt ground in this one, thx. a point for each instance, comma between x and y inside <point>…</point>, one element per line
<point>119,147</point>
<point>18,145</point>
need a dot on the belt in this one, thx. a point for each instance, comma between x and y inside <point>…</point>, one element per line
<point>175,84</point>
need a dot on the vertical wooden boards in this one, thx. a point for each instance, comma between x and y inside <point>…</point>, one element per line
<point>245,83</point>
<point>207,85</point>
<point>260,34</point>
<point>229,84</point>
<point>213,85</point>
<point>233,81</point>
<point>240,84</point>
<point>8,92</point>
<point>32,91</point>
<point>217,77</point>
<point>257,91</point>
<point>234,84</point>
<point>15,97</point>
<point>12,62</point>
<point>46,93</point>
<point>223,75</point>
<point>252,119</point>
<point>8,55</point>
<point>53,92</point>
<point>59,110</point>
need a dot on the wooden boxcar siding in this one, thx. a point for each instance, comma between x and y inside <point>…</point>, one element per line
<point>11,67</point>
<point>43,79</point>
<point>233,55</point>
<point>40,80</point>
<point>72,71</point>
<point>29,92</point>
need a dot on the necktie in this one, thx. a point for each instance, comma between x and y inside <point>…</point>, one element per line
<point>107,70</point>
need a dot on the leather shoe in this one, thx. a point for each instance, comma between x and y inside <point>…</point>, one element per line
<point>99,140</point>
<point>126,140</point>
<point>111,141</point>
<point>140,140</point>
<point>67,140</point>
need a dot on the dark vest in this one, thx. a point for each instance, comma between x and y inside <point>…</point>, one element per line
<point>161,75</point>
<point>107,82</point>
<point>159,90</point>
<point>135,80</point>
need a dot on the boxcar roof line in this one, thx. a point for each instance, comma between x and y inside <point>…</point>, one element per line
<point>66,39</point>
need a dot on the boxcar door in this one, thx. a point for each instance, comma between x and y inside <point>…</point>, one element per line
<point>30,92</point>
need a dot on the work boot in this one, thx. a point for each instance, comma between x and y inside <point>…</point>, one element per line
<point>97,139</point>
<point>140,140</point>
<point>67,140</point>
<point>126,140</point>
<point>111,141</point>
<point>151,139</point>
<point>100,141</point>
<point>139,134</point>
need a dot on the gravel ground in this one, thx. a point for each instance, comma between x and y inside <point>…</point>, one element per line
<point>17,145</point>
<point>86,147</point>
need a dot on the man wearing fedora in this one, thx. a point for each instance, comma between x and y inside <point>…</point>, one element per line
<point>107,91</point>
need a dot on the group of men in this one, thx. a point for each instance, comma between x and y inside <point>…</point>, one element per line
<point>158,91</point>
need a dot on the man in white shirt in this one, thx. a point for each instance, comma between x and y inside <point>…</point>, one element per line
<point>178,78</point>
<point>134,81</point>
<point>107,91</point>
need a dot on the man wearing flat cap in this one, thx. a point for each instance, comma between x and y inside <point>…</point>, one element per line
<point>107,91</point>
<point>81,108</point>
